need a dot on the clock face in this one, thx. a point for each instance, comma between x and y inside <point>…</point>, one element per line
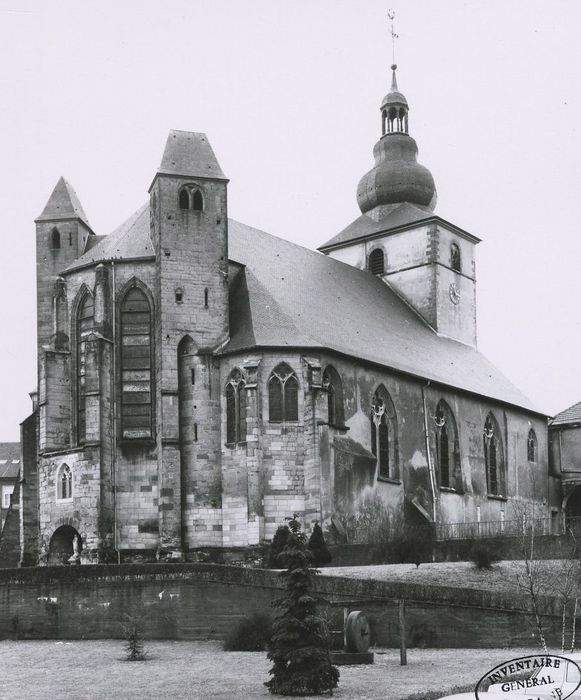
<point>454,293</point>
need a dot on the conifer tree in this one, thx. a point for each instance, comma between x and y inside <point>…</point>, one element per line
<point>299,646</point>
<point>318,546</point>
<point>276,547</point>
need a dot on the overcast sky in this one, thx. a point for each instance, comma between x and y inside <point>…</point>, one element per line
<point>289,93</point>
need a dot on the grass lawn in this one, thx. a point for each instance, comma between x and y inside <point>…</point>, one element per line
<point>82,670</point>
<point>502,577</point>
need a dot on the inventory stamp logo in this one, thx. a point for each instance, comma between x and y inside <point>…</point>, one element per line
<point>538,676</point>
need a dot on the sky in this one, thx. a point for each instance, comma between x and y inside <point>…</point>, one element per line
<point>288,93</point>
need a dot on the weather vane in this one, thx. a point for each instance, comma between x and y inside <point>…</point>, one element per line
<point>394,36</point>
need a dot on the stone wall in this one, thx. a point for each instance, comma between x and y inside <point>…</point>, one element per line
<point>204,601</point>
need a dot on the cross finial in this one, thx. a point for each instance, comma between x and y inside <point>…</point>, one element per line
<point>394,36</point>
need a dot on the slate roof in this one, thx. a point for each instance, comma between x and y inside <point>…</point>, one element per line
<point>292,296</point>
<point>569,415</point>
<point>9,460</point>
<point>289,296</point>
<point>398,216</point>
<point>63,203</point>
<point>189,153</point>
<point>131,240</point>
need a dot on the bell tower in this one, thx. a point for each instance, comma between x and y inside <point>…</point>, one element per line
<point>189,230</point>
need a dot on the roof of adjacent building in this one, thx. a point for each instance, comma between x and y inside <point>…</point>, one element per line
<point>9,460</point>
<point>569,415</point>
<point>63,203</point>
<point>189,153</point>
<point>290,296</point>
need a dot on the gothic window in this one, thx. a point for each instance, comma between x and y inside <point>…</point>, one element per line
<point>377,262</point>
<point>447,447</point>
<point>136,365</point>
<point>197,201</point>
<point>455,259</point>
<point>236,408</point>
<point>494,457</point>
<point>532,446</point>
<point>64,483</point>
<point>85,319</point>
<point>332,382</point>
<point>55,239</point>
<point>384,438</point>
<point>184,198</point>
<point>283,395</point>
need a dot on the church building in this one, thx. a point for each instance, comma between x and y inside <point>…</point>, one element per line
<point>199,380</point>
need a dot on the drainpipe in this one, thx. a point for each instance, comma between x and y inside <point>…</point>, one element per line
<point>114,411</point>
<point>428,455</point>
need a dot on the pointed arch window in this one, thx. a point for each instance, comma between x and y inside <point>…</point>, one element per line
<point>447,447</point>
<point>494,457</point>
<point>334,386</point>
<point>455,258</point>
<point>184,198</point>
<point>283,395</point>
<point>236,408</point>
<point>532,446</point>
<point>85,323</point>
<point>55,239</point>
<point>377,262</point>
<point>64,483</point>
<point>384,434</point>
<point>136,365</point>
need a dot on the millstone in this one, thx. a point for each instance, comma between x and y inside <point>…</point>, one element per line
<point>356,633</point>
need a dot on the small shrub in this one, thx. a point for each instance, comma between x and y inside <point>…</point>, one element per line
<point>318,547</point>
<point>483,557</point>
<point>133,630</point>
<point>252,633</point>
<point>277,546</point>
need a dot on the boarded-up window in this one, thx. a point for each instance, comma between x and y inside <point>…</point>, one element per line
<point>85,322</point>
<point>283,395</point>
<point>136,362</point>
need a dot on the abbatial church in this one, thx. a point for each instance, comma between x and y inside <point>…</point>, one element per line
<point>199,380</point>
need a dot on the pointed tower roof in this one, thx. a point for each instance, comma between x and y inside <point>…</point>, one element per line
<point>189,153</point>
<point>63,204</point>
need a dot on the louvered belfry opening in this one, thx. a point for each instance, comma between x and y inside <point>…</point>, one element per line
<point>136,365</point>
<point>377,262</point>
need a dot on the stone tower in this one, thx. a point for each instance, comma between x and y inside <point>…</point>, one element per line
<point>62,231</point>
<point>427,260</point>
<point>189,227</point>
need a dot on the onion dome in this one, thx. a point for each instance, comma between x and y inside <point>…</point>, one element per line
<point>397,176</point>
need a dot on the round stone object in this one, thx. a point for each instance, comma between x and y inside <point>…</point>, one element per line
<point>356,632</point>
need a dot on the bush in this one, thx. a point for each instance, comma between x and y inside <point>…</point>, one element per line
<point>276,547</point>
<point>250,634</point>
<point>483,556</point>
<point>318,547</point>
<point>133,630</point>
<point>299,646</point>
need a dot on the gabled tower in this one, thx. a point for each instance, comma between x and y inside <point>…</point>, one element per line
<point>189,230</point>
<point>427,260</point>
<point>62,231</point>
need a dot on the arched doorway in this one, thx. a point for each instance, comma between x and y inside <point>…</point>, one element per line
<point>63,546</point>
